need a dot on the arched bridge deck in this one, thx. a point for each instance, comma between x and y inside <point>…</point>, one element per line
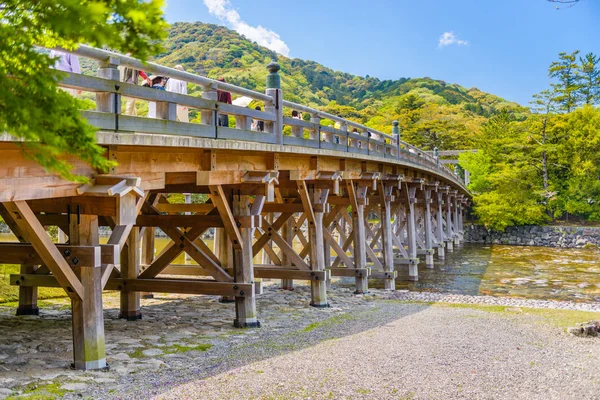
<point>316,201</point>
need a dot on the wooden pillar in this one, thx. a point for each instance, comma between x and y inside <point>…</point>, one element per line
<point>245,307</point>
<point>411,233</point>
<point>148,253</point>
<point>455,221</point>
<point>318,288</point>
<point>224,252</point>
<point>88,320</point>
<point>449,243</point>
<point>428,230</point>
<point>130,269</point>
<point>288,236</point>
<point>28,294</point>
<point>317,260</point>
<point>440,227</point>
<point>386,238</point>
<point>359,235</point>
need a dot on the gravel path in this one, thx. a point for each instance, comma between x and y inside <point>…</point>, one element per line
<point>426,353</point>
<point>396,345</point>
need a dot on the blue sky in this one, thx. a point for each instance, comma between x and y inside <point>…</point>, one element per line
<point>500,46</point>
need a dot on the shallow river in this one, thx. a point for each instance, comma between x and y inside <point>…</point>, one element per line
<point>528,272</point>
<point>515,271</point>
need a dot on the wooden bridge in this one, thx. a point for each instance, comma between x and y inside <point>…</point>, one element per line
<point>322,202</point>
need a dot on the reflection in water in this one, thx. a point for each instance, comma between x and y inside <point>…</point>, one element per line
<point>510,271</point>
<point>514,271</point>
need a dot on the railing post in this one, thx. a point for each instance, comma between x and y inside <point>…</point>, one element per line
<point>166,110</point>
<point>106,101</point>
<point>208,117</point>
<point>315,134</point>
<point>396,134</point>
<point>344,128</point>
<point>274,90</point>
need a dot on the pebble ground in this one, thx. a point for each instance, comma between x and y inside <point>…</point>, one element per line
<point>400,345</point>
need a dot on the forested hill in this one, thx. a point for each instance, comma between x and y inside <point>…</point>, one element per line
<point>431,112</point>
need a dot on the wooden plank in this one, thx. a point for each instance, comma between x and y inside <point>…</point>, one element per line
<point>160,285</point>
<point>306,203</point>
<point>180,221</point>
<point>360,272</point>
<point>220,201</point>
<point>35,234</point>
<point>24,253</point>
<point>197,208</point>
<point>281,273</point>
<point>383,274</point>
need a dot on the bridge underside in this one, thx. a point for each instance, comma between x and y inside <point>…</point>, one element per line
<point>311,214</point>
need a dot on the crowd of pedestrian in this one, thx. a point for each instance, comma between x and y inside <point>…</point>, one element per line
<point>70,63</point>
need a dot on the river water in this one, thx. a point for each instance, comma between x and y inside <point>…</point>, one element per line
<point>514,271</point>
<point>497,270</point>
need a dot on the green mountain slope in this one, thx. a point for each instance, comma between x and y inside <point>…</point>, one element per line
<point>431,112</point>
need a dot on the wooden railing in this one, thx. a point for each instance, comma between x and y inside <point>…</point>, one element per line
<point>349,137</point>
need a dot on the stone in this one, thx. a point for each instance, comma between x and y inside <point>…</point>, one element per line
<point>74,386</point>
<point>4,393</point>
<point>152,352</point>
<point>120,357</point>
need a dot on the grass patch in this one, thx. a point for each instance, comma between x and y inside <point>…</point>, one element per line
<point>335,320</point>
<point>10,294</point>
<point>556,318</point>
<point>176,348</point>
<point>39,392</point>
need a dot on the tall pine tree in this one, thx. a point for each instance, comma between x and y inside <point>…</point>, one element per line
<point>567,73</point>
<point>590,79</point>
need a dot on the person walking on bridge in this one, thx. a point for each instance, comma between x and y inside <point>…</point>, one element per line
<point>131,76</point>
<point>223,97</point>
<point>179,86</point>
<point>158,83</point>
<point>67,63</point>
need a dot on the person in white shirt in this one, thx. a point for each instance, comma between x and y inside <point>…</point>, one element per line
<point>179,86</point>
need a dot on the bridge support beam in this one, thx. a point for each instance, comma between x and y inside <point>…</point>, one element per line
<point>449,234</point>
<point>148,241</point>
<point>385,193</point>
<point>428,229</point>
<point>88,320</point>
<point>314,201</point>
<point>440,226</point>
<point>245,307</point>
<point>224,252</point>
<point>357,201</point>
<point>413,269</point>
<point>288,235</point>
<point>130,269</point>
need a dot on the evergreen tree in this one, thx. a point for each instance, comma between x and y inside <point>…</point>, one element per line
<point>567,72</point>
<point>590,79</point>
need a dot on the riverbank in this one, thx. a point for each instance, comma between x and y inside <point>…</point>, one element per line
<point>381,345</point>
<point>533,235</point>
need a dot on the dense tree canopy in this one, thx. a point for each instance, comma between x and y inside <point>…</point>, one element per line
<point>31,107</point>
<point>545,165</point>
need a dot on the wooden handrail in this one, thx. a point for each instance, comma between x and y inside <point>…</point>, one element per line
<point>343,139</point>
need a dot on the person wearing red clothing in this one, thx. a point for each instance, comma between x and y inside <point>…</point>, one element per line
<point>223,97</point>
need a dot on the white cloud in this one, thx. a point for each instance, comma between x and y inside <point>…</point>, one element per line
<point>449,38</point>
<point>223,10</point>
